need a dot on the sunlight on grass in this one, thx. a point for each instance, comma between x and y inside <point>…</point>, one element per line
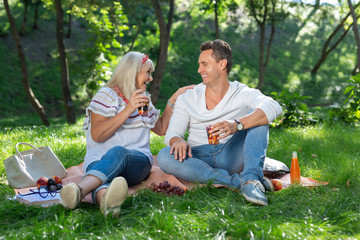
<point>326,153</point>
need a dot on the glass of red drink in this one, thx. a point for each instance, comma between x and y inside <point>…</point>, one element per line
<point>213,140</point>
<point>144,110</point>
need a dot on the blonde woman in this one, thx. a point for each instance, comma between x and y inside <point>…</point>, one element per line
<point>117,136</point>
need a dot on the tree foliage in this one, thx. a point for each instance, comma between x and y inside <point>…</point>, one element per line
<point>116,27</point>
<point>295,110</point>
<point>350,112</point>
<point>106,24</point>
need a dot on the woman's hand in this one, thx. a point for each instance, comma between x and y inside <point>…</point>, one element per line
<point>180,91</point>
<point>136,100</point>
<point>163,122</point>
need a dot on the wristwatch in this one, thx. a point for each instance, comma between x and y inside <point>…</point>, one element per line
<point>239,125</point>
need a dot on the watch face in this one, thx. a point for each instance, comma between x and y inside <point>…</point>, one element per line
<point>239,126</point>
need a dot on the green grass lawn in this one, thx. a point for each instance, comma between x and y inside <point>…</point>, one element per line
<point>326,153</point>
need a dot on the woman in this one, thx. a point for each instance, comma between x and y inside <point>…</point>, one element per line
<point>117,136</point>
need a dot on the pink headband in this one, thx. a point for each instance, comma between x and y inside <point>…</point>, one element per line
<point>145,58</point>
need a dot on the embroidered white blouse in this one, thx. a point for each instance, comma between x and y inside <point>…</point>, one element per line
<point>133,134</point>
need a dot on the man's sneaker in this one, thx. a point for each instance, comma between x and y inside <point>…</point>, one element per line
<point>253,191</point>
<point>114,196</point>
<point>266,182</point>
<point>71,195</point>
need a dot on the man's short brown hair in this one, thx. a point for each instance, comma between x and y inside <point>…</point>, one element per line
<point>221,50</point>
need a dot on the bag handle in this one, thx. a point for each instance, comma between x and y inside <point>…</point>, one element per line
<point>23,143</point>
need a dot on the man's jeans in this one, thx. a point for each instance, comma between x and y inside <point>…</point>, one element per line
<point>133,165</point>
<point>220,164</point>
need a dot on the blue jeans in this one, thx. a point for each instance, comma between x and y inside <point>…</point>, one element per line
<point>133,165</point>
<point>244,152</point>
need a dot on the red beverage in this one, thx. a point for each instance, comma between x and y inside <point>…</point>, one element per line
<point>144,110</point>
<point>213,140</point>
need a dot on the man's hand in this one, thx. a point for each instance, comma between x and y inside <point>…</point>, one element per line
<point>179,148</point>
<point>224,128</point>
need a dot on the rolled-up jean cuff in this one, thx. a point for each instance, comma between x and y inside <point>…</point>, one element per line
<point>97,174</point>
<point>93,193</point>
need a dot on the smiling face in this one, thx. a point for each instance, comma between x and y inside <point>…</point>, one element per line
<point>209,69</point>
<point>143,78</point>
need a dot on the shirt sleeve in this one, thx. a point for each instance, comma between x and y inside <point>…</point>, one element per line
<point>104,103</point>
<point>179,121</point>
<point>255,99</point>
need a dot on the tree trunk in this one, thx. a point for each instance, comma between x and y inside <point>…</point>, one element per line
<point>217,32</point>
<point>269,45</point>
<point>23,26</point>
<point>36,14</point>
<point>69,26</point>
<point>33,100</point>
<point>164,44</point>
<point>357,36</point>
<point>261,57</point>
<point>326,49</point>
<point>65,85</point>
<point>322,59</point>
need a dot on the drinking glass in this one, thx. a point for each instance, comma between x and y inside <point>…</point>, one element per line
<point>143,110</point>
<point>213,140</point>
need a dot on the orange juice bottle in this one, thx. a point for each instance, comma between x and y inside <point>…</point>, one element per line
<point>294,169</point>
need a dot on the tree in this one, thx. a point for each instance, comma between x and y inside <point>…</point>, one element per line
<point>65,84</point>
<point>129,8</point>
<point>29,93</point>
<point>23,26</point>
<point>106,25</point>
<point>327,48</point>
<point>263,11</point>
<point>165,29</point>
<point>218,7</point>
<point>69,25</point>
<point>36,14</point>
<point>357,37</point>
<point>307,19</point>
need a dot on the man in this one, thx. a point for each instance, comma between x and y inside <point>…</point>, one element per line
<point>238,116</point>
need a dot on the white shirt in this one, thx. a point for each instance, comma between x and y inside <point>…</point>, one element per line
<point>190,112</point>
<point>133,134</point>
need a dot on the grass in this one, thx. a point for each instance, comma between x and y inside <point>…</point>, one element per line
<point>326,153</point>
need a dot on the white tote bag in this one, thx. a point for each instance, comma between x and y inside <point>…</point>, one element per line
<point>25,168</point>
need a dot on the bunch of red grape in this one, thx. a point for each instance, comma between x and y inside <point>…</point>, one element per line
<point>167,189</point>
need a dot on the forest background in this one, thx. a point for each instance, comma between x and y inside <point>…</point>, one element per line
<point>98,33</point>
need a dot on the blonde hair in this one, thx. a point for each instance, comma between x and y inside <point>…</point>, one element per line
<point>124,75</point>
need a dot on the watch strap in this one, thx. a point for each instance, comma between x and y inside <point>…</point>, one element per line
<point>239,125</point>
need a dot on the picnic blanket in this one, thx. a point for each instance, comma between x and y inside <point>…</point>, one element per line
<point>156,176</point>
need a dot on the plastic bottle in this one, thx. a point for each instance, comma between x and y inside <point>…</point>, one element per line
<point>294,169</point>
